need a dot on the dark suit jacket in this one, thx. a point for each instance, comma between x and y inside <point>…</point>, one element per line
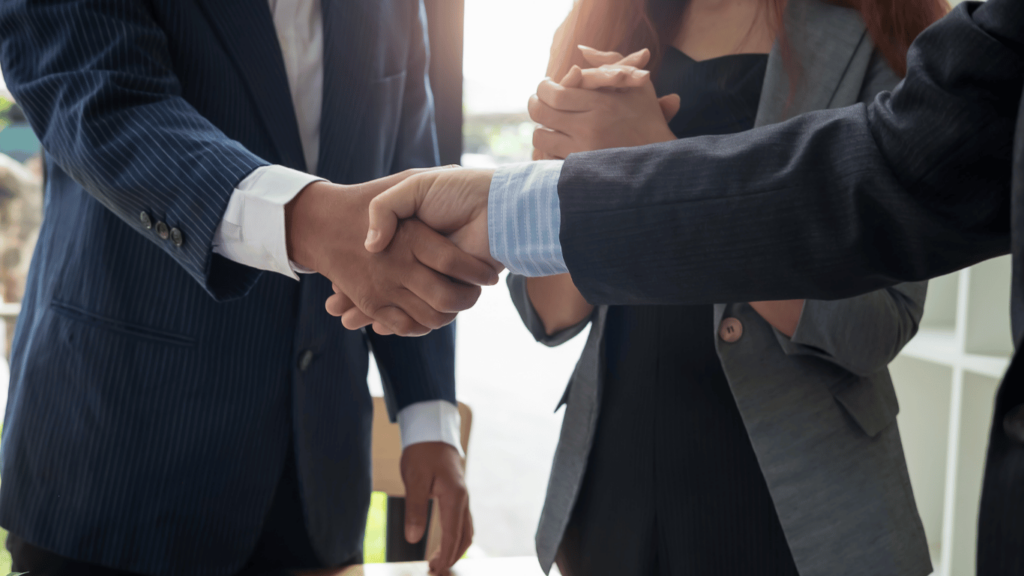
<point>830,205</point>
<point>155,387</point>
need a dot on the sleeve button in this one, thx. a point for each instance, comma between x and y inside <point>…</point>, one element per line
<point>162,230</point>
<point>147,223</point>
<point>176,237</point>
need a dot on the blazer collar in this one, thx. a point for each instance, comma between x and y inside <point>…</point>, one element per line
<point>251,40</point>
<point>823,39</point>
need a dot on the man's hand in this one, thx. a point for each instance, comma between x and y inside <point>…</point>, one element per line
<point>435,470</point>
<point>451,201</point>
<point>417,285</point>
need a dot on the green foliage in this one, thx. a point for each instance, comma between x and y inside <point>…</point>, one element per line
<point>5,108</point>
<point>375,540</point>
<point>5,556</point>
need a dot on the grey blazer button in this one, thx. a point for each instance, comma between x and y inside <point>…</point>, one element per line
<point>731,330</point>
<point>162,230</point>
<point>176,237</point>
<point>305,360</point>
<point>1013,424</point>
<point>147,223</point>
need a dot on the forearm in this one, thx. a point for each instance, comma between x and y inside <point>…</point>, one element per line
<point>416,370</point>
<point>107,107</point>
<point>783,315</point>
<point>557,301</point>
<point>828,205</point>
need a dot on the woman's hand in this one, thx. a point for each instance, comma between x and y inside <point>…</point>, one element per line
<point>610,106</point>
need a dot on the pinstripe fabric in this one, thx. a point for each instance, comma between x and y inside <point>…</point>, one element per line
<point>154,388</point>
<point>833,204</point>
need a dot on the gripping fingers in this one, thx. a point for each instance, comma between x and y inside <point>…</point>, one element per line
<point>545,115</point>
<point>441,254</point>
<point>338,303</point>
<point>595,58</point>
<point>439,294</point>
<point>354,319</point>
<point>614,77</point>
<point>551,143</point>
<point>395,320</point>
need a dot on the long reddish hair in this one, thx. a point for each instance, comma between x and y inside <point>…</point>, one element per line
<point>626,26</point>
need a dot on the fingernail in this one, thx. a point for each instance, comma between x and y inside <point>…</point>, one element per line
<point>371,237</point>
<point>641,74</point>
<point>582,47</point>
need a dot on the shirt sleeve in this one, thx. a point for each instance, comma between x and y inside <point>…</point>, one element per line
<point>431,421</point>
<point>523,218</point>
<point>252,231</point>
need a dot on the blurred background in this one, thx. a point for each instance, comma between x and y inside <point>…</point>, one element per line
<point>488,58</point>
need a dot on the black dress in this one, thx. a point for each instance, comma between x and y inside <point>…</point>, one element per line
<point>672,483</point>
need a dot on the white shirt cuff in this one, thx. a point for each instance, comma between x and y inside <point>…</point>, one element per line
<point>252,231</point>
<point>431,421</point>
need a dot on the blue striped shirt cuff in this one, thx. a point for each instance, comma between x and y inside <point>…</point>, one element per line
<point>523,218</point>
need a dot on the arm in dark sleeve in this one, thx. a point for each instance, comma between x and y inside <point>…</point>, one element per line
<point>415,369</point>
<point>862,334</point>
<point>95,81</point>
<point>827,205</point>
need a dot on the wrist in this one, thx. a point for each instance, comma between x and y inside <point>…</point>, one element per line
<point>301,220</point>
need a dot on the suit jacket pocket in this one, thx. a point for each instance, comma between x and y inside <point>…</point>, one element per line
<point>121,327</point>
<point>870,401</point>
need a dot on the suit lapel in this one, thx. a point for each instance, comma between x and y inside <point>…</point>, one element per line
<point>349,58</point>
<point>249,37</point>
<point>827,41</point>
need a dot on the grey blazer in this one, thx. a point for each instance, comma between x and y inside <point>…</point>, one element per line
<point>819,407</point>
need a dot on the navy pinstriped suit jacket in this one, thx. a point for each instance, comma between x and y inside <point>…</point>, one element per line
<point>154,388</point>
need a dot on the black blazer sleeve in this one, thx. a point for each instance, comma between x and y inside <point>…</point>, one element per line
<point>828,205</point>
<point>96,82</point>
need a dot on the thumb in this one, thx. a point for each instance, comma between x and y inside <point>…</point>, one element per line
<point>396,203</point>
<point>669,106</point>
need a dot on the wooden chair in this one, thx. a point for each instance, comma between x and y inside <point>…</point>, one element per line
<point>387,478</point>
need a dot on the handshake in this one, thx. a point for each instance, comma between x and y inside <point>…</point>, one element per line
<point>407,253</point>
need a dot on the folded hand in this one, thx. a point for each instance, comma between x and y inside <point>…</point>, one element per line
<point>612,105</point>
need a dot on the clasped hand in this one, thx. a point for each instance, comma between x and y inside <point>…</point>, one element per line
<point>612,105</point>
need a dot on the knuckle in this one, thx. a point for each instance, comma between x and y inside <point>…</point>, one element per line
<point>533,107</point>
<point>558,98</point>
